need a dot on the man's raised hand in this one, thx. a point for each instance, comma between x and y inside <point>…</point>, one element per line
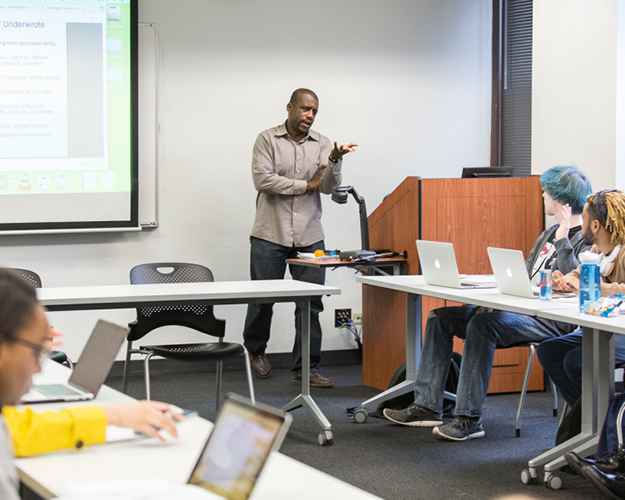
<point>338,151</point>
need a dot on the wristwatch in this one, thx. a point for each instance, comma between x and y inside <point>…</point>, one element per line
<point>333,160</point>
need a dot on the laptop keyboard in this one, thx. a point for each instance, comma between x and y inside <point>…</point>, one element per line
<point>56,390</point>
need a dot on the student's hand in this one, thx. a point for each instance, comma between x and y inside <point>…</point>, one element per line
<point>568,283</point>
<point>338,151</point>
<point>313,184</point>
<point>147,417</point>
<point>54,340</point>
<point>565,224</point>
<point>555,280</point>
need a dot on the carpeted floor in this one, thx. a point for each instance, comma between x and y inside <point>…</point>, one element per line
<point>391,461</point>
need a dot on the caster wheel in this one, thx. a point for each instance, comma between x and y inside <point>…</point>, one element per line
<point>526,477</point>
<point>360,417</point>
<point>554,483</point>
<point>325,438</point>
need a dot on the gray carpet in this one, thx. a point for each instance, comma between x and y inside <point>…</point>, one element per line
<point>391,461</point>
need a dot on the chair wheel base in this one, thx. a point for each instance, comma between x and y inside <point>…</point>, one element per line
<point>325,438</point>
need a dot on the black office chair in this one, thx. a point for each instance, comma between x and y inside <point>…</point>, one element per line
<point>32,278</point>
<point>197,317</point>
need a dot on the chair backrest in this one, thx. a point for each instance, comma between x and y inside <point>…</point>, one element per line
<point>198,317</point>
<point>30,277</point>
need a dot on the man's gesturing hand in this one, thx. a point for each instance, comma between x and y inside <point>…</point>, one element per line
<point>336,155</point>
<point>313,184</point>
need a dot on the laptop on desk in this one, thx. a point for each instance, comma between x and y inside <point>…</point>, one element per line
<point>238,447</point>
<point>439,267</point>
<point>511,275</point>
<point>89,373</point>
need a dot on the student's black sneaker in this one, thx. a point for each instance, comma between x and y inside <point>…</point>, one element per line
<point>460,429</point>
<point>414,416</point>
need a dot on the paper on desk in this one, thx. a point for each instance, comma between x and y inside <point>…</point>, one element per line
<point>134,490</point>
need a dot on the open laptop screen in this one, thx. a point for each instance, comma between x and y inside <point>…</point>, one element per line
<point>238,447</point>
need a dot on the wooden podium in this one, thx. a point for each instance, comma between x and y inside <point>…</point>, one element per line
<point>473,214</point>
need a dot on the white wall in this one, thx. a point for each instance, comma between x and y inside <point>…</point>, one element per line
<point>407,79</point>
<point>620,97</point>
<point>574,90</point>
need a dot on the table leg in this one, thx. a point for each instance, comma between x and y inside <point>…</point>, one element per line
<point>305,400</point>
<point>597,372</point>
<point>413,354</point>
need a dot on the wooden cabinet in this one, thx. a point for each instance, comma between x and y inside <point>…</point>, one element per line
<point>473,214</point>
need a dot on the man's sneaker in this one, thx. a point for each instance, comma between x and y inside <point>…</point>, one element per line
<point>460,429</point>
<point>414,416</point>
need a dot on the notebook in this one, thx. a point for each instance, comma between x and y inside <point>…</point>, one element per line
<point>89,373</point>
<point>237,449</point>
<point>439,267</point>
<point>510,273</point>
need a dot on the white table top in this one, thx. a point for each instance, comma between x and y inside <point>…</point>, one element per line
<point>615,324</point>
<point>117,296</point>
<point>282,477</point>
<point>485,297</point>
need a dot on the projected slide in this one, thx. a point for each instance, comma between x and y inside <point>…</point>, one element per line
<point>66,113</point>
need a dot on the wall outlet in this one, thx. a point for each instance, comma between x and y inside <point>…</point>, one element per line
<point>341,316</point>
<point>357,318</point>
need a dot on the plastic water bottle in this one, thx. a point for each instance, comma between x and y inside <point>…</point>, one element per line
<point>589,280</point>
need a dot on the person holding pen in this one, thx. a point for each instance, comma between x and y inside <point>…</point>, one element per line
<point>604,228</point>
<point>25,339</point>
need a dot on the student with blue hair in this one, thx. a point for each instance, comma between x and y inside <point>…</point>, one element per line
<point>565,188</point>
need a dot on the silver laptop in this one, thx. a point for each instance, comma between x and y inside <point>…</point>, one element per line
<point>238,447</point>
<point>439,267</point>
<point>511,273</point>
<point>89,373</point>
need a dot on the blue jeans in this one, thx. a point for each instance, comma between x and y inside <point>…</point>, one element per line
<point>482,334</point>
<point>562,360</point>
<point>268,262</point>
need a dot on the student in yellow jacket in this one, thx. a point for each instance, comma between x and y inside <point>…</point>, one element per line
<point>24,342</point>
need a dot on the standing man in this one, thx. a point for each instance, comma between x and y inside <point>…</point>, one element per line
<point>291,166</point>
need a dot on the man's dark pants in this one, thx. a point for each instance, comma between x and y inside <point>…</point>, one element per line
<point>268,262</point>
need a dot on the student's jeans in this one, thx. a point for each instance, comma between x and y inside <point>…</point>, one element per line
<point>482,334</point>
<point>562,360</point>
<point>268,262</point>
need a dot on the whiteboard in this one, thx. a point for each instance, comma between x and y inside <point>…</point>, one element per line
<point>148,124</point>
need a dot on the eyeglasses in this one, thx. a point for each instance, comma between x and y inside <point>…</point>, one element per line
<point>43,352</point>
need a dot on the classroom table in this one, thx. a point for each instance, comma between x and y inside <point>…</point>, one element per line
<point>415,287</point>
<point>597,389</point>
<point>171,461</point>
<point>597,357</point>
<point>213,293</point>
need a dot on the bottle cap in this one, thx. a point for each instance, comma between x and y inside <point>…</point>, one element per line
<point>589,258</point>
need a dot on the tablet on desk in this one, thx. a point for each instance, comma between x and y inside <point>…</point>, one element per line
<point>237,449</point>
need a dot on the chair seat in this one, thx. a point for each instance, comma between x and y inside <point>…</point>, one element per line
<point>215,351</point>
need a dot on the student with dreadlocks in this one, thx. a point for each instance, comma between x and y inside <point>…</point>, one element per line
<point>604,228</point>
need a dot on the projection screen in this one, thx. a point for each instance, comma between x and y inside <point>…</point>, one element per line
<point>68,108</point>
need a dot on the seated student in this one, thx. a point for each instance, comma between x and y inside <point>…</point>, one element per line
<point>565,190</point>
<point>24,341</point>
<point>604,228</point>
